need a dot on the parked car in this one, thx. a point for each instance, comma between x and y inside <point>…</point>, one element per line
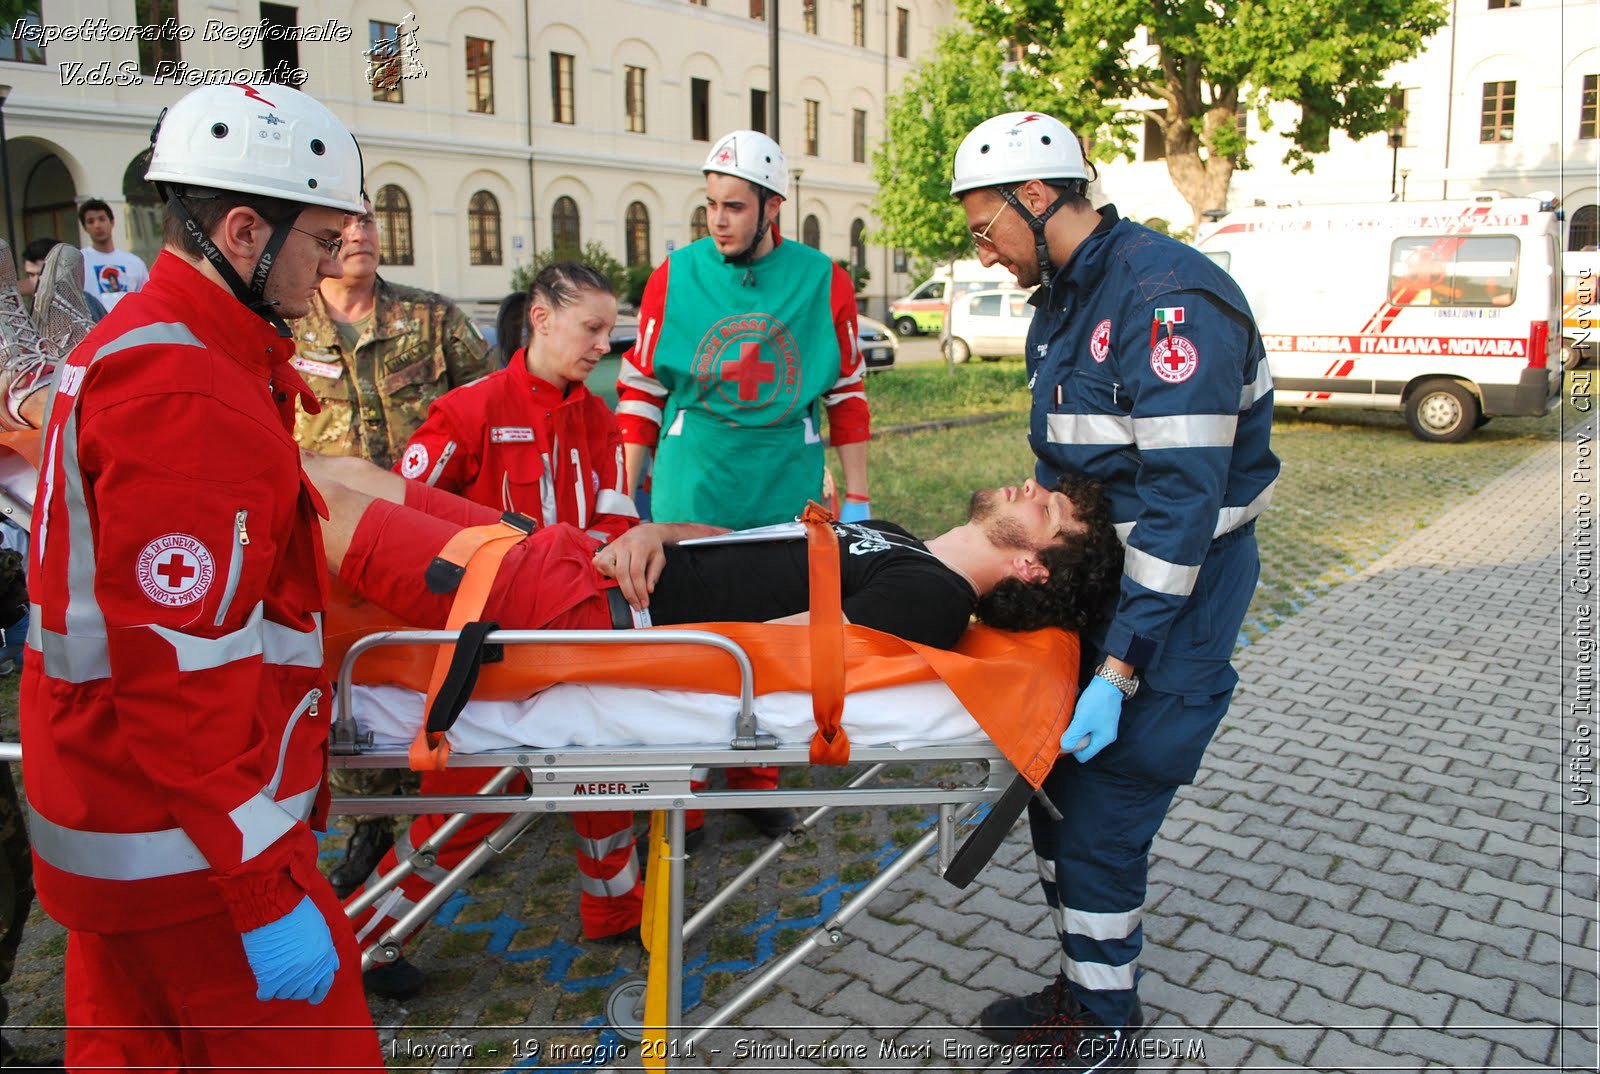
<point>878,345</point>
<point>922,311</point>
<point>990,324</point>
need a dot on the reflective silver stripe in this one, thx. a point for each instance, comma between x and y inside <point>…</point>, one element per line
<point>1124,530</point>
<point>599,848</point>
<point>610,502</point>
<point>1185,431</point>
<point>856,376</point>
<point>1047,869</point>
<point>208,654</point>
<point>404,851</point>
<point>172,333</point>
<point>677,424</point>
<point>634,407</point>
<point>285,646</point>
<point>1103,926</point>
<point>1174,579</point>
<point>170,852</point>
<point>392,907</point>
<point>625,880</point>
<point>71,658</point>
<point>1231,518</point>
<point>83,616</point>
<point>444,460</point>
<point>833,399</point>
<point>1088,429</point>
<point>235,566</point>
<point>1099,976</point>
<point>1257,389</point>
<point>629,376</point>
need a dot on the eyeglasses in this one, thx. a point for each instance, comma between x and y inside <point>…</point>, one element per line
<point>981,238</point>
<point>330,247</point>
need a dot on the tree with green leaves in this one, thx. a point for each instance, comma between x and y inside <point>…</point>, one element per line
<point>958,86</point>
<point>1201,61</point>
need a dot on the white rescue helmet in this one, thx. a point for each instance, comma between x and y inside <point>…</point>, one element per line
<point>1016,147</point>
<point>751,155</point>
<point>268,140</point>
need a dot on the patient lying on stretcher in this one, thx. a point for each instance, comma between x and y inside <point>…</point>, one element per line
<point>1026,558</point>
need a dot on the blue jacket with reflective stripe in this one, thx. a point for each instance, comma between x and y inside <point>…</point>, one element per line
<point>1148,374</point>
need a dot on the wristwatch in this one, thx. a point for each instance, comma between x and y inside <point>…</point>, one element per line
<point>1127,685</point>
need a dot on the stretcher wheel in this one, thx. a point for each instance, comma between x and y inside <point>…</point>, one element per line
<point>625,1008</point>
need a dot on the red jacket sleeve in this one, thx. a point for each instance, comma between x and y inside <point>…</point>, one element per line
<point>849,420</point>
<point>437,454</point>
<point>615,512</point>
<point>640,396</point>
<point>184,488</point>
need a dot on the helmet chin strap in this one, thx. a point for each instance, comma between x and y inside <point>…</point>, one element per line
<point>253,296</point>
<point>747,255</point>
<point>1036,225</point>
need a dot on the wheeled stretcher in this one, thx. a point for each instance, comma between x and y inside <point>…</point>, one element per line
<point>920,719</point>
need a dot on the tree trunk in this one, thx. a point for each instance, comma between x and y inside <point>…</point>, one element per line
<point>1203,181</point>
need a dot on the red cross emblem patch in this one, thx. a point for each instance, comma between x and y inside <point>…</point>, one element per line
<point>175,570</point>
<point>1100,341</point>
<point>414,461</point>
<point>1174,359</point>
<point>748,362</point>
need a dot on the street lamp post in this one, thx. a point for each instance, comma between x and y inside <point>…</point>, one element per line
<point>799,213</point>
<point>1405,173</point>
<point>5,166</point>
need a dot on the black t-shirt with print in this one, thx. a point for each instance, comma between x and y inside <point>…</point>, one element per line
<point>890,582</point>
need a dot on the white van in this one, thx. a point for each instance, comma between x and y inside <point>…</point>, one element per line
<point>922,311</point>
<point>1449,311</point>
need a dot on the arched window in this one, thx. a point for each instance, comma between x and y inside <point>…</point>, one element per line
<point>146,212</point>
<point>1583,232</point>
<point>393,210</point>
<point>564,227</point>
<point>638,234</point>
<point>811,233</point>
<point>858,244</point>
<point>49,203</point>
<point>697,224</point>
<point>483,229</point>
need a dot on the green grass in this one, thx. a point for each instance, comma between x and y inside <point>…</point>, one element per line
<point>925,392</point>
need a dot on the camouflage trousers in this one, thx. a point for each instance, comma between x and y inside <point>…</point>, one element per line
<point>16,886</point>
<point>350,781</point>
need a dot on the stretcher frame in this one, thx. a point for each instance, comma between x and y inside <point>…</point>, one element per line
<point>659,780</point>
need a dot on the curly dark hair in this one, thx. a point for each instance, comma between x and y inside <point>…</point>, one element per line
<point>1085,571</point>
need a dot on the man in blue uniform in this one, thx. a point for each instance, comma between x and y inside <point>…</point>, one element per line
<point>1148,374</point>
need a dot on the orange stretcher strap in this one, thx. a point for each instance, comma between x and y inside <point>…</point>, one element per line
<point>829,745</point>
<point>481,548</point>
<point>24,442</point>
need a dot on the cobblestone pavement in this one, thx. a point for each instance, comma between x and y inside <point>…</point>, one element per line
<point>1377,869</point>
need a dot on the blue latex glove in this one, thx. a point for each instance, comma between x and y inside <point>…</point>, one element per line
<point>293,957</point>
<point>319,836</point>
<point>1094,721</point>
<point>851,511</point>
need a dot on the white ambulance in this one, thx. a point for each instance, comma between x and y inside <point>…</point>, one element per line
<point>1449,311</point>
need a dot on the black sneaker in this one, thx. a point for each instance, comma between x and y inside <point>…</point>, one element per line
<point>771,823</point>
<point>368,844</point>
<point>1078,1043</point>
<point>1007,1019</point>
<point>394,980</point>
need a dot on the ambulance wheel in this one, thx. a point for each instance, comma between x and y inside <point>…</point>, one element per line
<point>625,1008</point>
<point>958,350</point>
<point>906,326</point>
<point>1443,411</point>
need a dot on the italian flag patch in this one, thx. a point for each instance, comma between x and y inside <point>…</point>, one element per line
<point>1165,315</point>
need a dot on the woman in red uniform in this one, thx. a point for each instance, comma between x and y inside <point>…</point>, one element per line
<point>532,439</point>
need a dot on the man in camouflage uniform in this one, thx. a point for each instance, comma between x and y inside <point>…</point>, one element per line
<point>377,354</point>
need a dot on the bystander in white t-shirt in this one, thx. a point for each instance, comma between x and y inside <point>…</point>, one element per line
<point>110,276</point>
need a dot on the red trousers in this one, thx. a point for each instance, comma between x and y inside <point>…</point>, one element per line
<point>186,1000</point>
<point>546,582</point>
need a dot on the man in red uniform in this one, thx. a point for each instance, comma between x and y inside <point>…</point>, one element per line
<point>173,701</point>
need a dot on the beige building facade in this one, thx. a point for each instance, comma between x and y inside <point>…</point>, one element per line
<point>489,131</point>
